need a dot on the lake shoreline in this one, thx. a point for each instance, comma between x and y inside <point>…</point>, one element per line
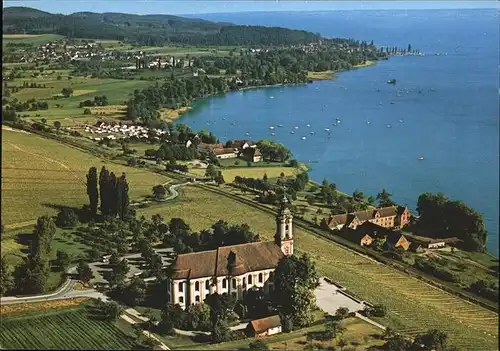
<point>317,76</point>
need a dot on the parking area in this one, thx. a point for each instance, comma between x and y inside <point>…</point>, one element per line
<point>135,261</point>
<point>329,298</point>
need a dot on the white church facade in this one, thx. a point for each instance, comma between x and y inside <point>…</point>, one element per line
<point>231,269</point>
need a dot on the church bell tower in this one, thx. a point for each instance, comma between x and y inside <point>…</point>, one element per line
<point>284,232</point>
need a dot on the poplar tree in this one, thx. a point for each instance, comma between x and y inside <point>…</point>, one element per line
<point>44,232</point>
<point>92,191</point>
<point>112,193</point>
<point>104,186</point>
<point>122,196</point>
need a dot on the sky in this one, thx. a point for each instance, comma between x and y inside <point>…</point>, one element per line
<point>215,6</point>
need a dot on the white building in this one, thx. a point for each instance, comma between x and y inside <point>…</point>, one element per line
<point>231,269</point>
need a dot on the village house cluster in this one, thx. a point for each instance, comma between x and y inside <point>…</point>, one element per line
<point>244,149</point>
<point>364,227</point>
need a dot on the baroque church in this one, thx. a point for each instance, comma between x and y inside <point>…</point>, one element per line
<point>231,269</point>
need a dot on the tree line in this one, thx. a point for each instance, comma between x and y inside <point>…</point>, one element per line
<point>150,30</point>
<point>281,66</point>
<point>441,217</point>
<point>112,192</point>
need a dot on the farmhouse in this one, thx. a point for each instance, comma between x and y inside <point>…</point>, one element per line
<point>416,247</point>
<point>388,217</point>
<point>395,240</point>
<point>231,269</point>
<point>251,154</point>
<point>240,144</point>
<point>225,153</point>
<point>264,326</point>
<point>431,243</point>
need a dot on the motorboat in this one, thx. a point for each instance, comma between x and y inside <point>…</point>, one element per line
<point>303,138</point>
<point>308,125</point>
<point>273,134</point>
<point>292,132</point>
<point>271,127</point>
<point>421,158</point>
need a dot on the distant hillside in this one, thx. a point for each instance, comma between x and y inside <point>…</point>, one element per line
<point>151,30</point>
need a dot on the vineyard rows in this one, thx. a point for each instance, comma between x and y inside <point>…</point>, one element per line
<point>72,329</point>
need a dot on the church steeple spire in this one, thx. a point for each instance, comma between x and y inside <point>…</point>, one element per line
<point>284,231</point>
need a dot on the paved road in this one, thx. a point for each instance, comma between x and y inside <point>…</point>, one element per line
<point>173,194</point>
<point>145,332</point>
<point>66,292</point>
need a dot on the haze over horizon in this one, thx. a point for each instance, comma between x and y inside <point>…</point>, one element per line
<point>194,7</point>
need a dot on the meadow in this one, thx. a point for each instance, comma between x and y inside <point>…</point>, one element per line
<point>413,305</point>
<point>84,88</point>
<point>359,335</point>
<point>33,39</point>
<point>38,175</point>
<point>62,329</point>
<point>250,172</point>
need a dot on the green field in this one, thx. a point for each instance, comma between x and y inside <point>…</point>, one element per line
<point>249,172</point>
<point>65,329</point>
<point>39,174</point>
<point>413,305</point>
<point>33,39</point>
<point>116,90</point>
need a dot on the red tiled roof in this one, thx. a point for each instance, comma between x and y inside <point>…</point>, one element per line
<point>234,260</point>
<point>264,324</point>
<point>364,216</point>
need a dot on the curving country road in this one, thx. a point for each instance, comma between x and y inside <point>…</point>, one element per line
<point>173,194</point>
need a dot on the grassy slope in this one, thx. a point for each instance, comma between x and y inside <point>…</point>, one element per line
<point>250,172</point>
<point>413,305</point>
<point>65,329</point>
<point>37,172</point>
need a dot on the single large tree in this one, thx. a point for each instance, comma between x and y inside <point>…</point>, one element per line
<point>112,193</point>
<point>44,232</point>
<point>92,191</point>
<point>122,199</point>
<point>31,276</point>
<point>220,305</point>
<point>384,199</point>
<point>295,281</point>
<point>104,188</point>
<point>6,279</point>
<point>84,272</point>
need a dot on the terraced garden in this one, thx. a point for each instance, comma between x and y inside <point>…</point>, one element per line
<point>69,329</point>
<point>413,305</point>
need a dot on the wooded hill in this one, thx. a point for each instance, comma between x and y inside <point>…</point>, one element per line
<point>150,30</point>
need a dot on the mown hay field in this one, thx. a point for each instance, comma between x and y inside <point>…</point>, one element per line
<point>67,329</point>
<point>38,173</point>
<point>413,305</point>
<point>249,172</point>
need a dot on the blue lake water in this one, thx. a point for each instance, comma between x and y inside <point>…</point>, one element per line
<point>447,110</point>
